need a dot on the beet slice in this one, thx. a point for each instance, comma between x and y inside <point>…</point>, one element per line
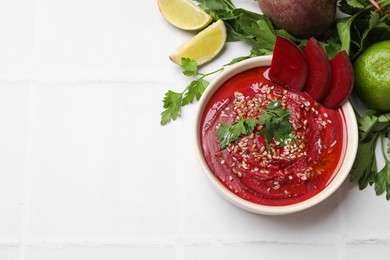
<point>319,74</point>
<point>342,81</point>
<point>288,65</point>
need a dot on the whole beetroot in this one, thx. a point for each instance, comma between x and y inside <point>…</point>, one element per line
<point>302,18</point>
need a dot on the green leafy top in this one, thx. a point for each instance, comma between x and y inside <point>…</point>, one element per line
<point>372,125</point>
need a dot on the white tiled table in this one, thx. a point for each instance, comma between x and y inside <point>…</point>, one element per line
<point>87,172</point>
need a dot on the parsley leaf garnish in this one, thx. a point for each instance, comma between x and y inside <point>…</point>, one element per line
<point>275,122</point>
<point>228,133</point>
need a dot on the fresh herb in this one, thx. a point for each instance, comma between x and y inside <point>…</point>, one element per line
<point>372,125</point>
<point>276,124</point>
<point>174,101</point>
<point>190,67</point>
<point>228,133</point>
<point>274,121</point>
<point>369,22</point>
<point>382,180</point>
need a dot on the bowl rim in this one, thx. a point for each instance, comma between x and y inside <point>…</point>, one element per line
<point>342,174</point>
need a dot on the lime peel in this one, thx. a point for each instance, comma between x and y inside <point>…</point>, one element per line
<point>204,46</point>
<point>372,76</point>
<point>184,14</point>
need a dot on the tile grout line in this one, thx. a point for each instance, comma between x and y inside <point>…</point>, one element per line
<point>25,219</point>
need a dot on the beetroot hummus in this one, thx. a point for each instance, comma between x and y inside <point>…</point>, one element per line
<point>264,172</point>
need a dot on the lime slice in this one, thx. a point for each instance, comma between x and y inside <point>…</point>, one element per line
<point>184,14</point>
<point>204,46</point>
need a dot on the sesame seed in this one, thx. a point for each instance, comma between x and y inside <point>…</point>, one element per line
<point>218,153</point>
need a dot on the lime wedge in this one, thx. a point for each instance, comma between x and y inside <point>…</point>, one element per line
<point>204,46</point>
<point>184,14</point>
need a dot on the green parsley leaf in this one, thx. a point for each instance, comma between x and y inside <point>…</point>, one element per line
<point>382,181</point>
<point>190,67</point>
<point>194,91</point>
<point>173,101</point>
<point>172,104</point>
<point>276,124</point>
<point>332,46</point>
<point>372,125</point>
<point>364,168</point>
<point>388,147</point>
<point>228,133</point>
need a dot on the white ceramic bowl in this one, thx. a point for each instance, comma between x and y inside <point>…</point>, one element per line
<point>350,153</point>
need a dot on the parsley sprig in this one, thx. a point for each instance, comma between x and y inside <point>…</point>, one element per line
<point>274,121</point>
<point>228,133</point>
<point>276,124</point>
<point>174,101</point>
<point>372,126</point>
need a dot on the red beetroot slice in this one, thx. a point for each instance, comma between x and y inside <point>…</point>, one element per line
<point>342,81</point>
<point>288,65</point>
<point>319,74</point>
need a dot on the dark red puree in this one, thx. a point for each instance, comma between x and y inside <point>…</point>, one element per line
<point>274,174</point>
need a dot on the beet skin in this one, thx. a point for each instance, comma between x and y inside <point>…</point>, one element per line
<point>302,18</point>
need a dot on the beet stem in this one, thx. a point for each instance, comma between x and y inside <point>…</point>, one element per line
<point>376,5</point>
